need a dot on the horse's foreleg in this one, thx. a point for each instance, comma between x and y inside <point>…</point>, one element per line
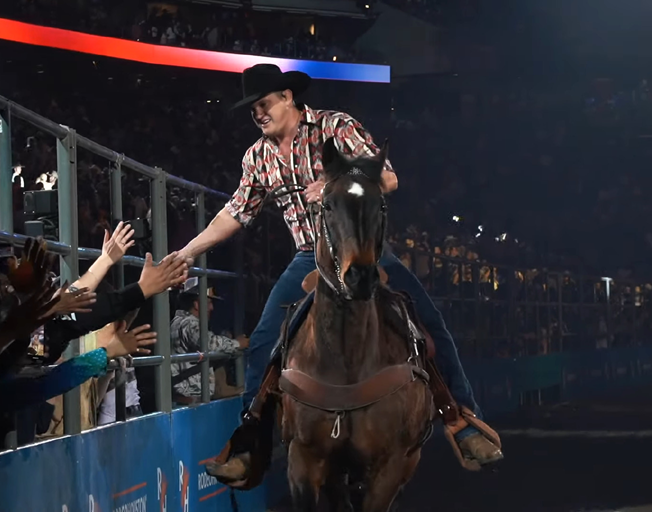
<point>385,482</point>
<point>337,492</point>
<point>306,474</point>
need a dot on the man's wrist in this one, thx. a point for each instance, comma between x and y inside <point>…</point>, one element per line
<point>186,252</point>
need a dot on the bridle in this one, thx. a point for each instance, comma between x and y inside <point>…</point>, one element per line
<point>313,211</point>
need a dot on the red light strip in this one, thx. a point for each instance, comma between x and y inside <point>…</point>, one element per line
<point>123,49</point>
<point>183,57</point>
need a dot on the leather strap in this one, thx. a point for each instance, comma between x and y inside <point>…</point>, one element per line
<point>412,313</point>
<point>268,386</point>
<point>445,406</point>
<point>339,398</point>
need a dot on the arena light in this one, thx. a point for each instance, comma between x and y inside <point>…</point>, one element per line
<point>182,57</point>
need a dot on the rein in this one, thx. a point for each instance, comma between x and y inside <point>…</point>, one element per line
<point>313,211</point>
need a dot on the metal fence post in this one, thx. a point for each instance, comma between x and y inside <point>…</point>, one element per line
<point>116,215</point>
<point>120,390</point>
<point>239,310</point>
<point>6,174</point>
<point>582,308</point>
<point>68,234</point>
<point>560,311</point>
<point>163,382</point>
<point>203,305</point>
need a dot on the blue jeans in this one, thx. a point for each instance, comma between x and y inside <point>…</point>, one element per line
<point>287,290</point>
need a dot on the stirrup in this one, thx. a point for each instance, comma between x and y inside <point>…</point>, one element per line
<point>214,468</point>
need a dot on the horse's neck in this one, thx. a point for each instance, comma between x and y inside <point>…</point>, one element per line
<point>346,336</point>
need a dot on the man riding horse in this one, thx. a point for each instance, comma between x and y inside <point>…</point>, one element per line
<point>290,153</point>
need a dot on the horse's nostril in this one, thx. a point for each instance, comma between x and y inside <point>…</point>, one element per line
<point>352,276</point>
<point>361,277</point>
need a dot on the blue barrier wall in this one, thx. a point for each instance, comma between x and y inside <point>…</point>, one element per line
<point>150,463</point>
<point>156,462</point>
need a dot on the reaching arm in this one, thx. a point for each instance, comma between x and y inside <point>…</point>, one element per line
<point>94,275</point>
<point>111,306</point>
<point>242,208</point>
<point>221,228</point>
<point>20,392</point>
<point>113,249</point>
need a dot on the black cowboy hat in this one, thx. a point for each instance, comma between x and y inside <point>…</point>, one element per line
<point>262,79</point>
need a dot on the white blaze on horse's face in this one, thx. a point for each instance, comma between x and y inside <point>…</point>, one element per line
<point>356,189</point>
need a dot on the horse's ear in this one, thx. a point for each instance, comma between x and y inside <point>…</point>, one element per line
<point>330,154</point>
<point>383,153</point>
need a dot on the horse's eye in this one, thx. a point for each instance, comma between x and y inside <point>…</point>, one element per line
<point>327,207</point>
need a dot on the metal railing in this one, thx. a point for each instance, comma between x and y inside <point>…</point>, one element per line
<point>67,144</point>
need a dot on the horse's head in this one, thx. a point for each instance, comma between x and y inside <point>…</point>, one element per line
<point>353,218</point>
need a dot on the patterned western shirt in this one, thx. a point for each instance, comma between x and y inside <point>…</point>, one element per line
<point>184,334</point>
<point>264,168</point>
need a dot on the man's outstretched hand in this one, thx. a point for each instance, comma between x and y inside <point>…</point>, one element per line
<point>170,272</point>
<point>189,260</point>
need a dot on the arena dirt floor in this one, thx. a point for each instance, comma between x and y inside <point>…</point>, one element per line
<point>572,457</point>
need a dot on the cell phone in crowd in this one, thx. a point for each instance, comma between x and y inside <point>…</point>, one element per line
<point>37,342</point>
<point>140,227</point>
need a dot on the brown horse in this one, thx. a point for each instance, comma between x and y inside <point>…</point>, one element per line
<point>356,403</point>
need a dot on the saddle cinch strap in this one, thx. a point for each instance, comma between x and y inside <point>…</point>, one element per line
<point>340,398</point>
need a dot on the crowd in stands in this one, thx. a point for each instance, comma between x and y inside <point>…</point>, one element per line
<point>213,27</point>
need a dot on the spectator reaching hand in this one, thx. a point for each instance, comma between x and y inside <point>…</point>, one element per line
<point>155,279</point>
<point>114,248</point>
<point>25,317</point>
<point>30,274</point>
<point>126,342</point>
<point>72,301</point>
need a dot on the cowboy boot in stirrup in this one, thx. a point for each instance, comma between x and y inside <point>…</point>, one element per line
<point>478,448</point>
<point>233,465</point>
<point>247,455</point>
